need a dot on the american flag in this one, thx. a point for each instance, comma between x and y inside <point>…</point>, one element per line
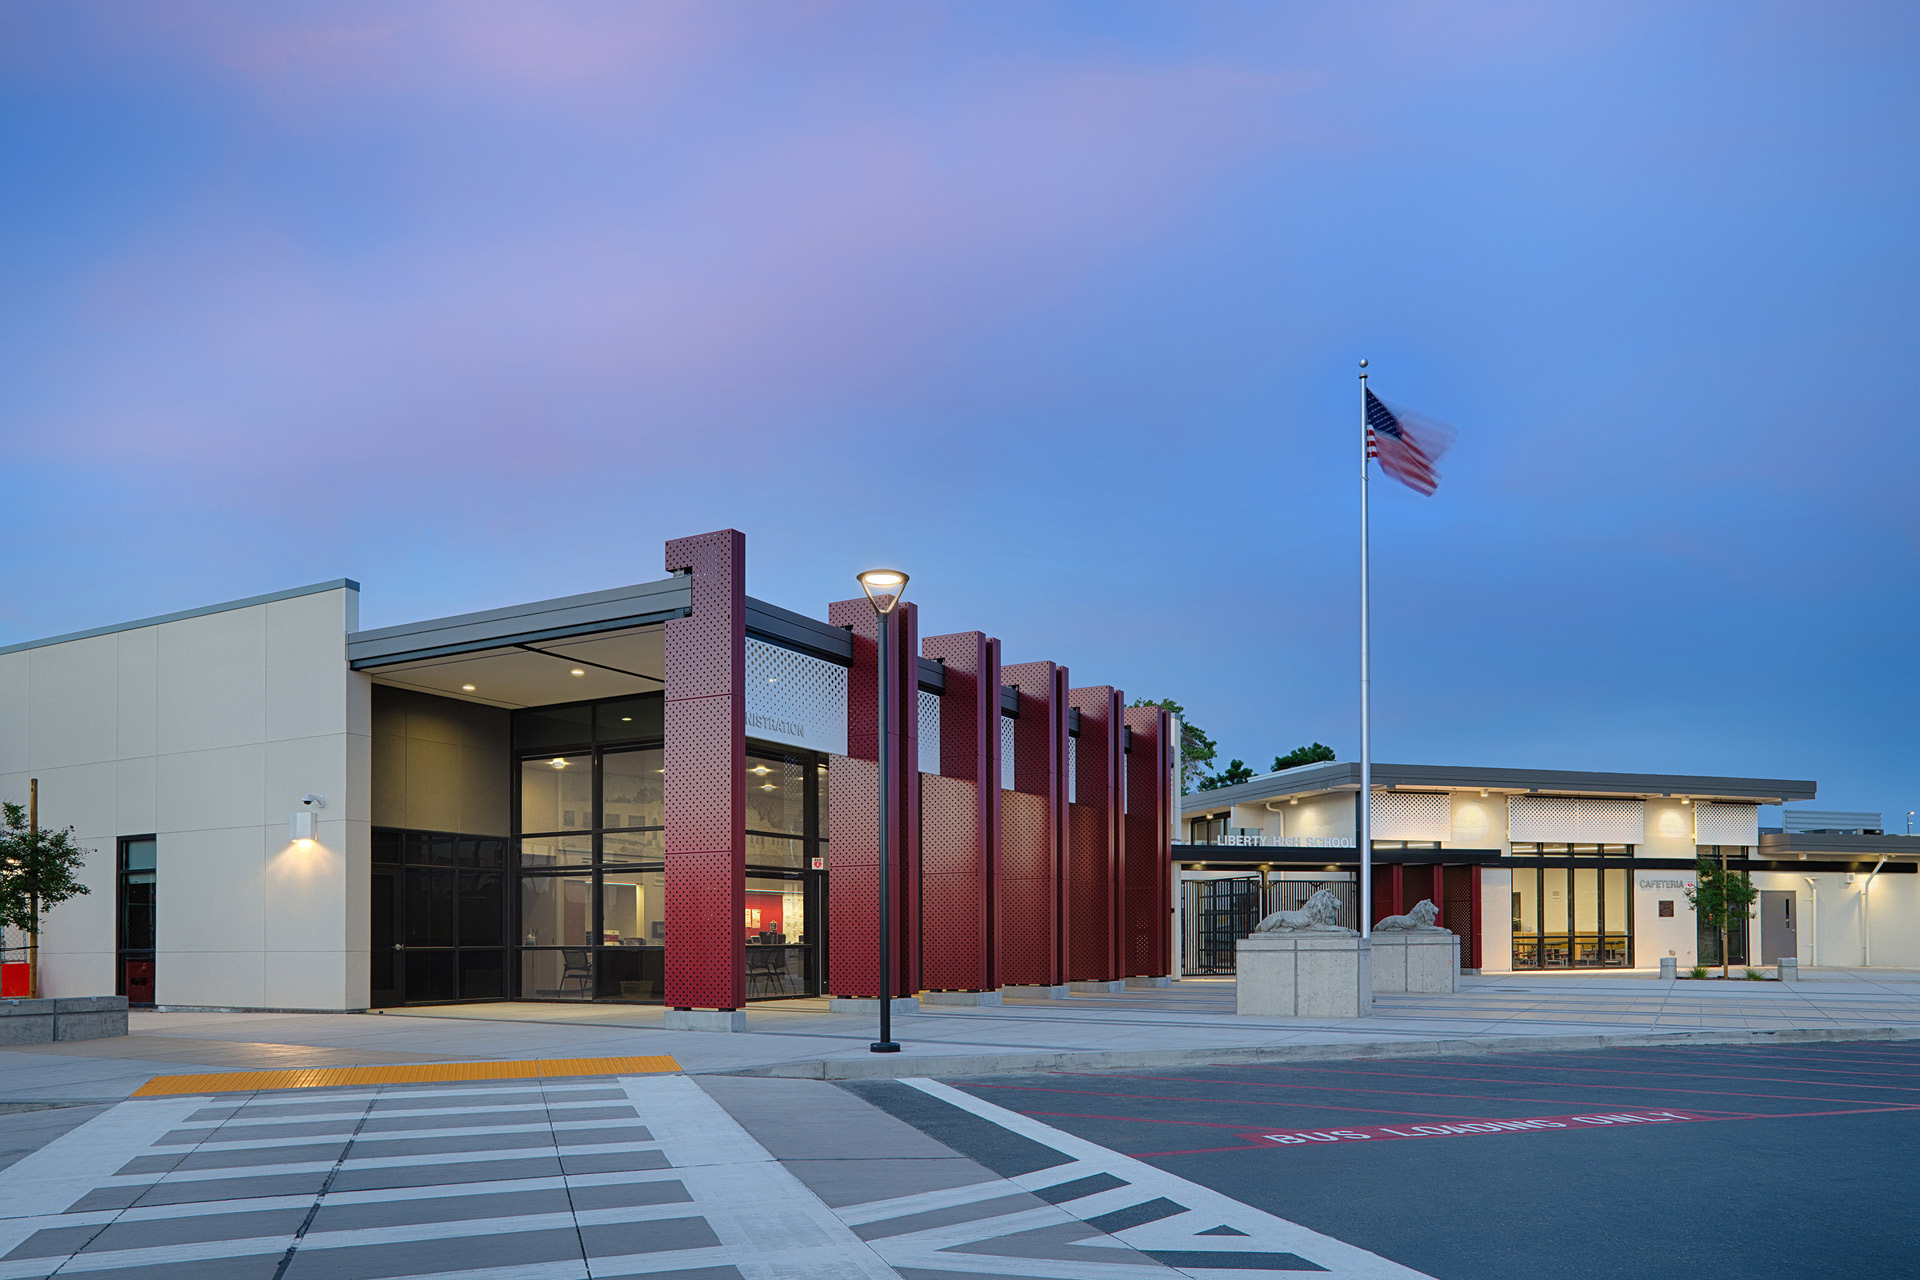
<point>1407,446</point>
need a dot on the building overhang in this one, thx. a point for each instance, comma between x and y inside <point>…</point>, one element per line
<point>1246,857</point>
<point>602,644</point>
<point>1319,779</point>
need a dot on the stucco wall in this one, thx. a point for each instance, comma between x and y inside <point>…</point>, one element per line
<point>205,732</point>
<point>440,764</point>
<point>1836,933</point>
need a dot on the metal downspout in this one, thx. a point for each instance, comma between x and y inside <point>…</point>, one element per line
<point>1866,915</point>
<point>1813,922</point>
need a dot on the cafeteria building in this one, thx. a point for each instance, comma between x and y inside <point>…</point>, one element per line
<point>662,793</point>
<point>1546,869</point>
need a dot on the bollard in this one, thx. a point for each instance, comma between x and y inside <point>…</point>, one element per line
<point>1668,973</point>
<point>1789,968</point>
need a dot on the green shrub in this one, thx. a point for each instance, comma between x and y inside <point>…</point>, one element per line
<point>1698,971</point>
<point>1757,975</point>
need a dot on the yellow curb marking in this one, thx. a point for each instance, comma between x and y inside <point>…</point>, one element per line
<point>412,1073</point>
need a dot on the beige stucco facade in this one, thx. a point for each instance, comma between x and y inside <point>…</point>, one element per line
<point>205,731</point>
<point>1839,919</point>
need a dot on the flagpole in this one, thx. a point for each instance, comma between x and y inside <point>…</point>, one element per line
<point>1366,691</point>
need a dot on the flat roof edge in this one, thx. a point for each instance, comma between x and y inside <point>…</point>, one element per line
<point>183,614</point>
<point>1343,774</point>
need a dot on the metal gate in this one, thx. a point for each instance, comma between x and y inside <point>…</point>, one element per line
<point>1220,912</point>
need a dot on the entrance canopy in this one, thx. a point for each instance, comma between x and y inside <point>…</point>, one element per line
<point>603,644</point>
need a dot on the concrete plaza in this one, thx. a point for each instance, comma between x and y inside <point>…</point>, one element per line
<point>716,1172</point>
<point>1192,1021</point>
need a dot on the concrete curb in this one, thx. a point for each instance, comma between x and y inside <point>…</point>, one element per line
<point>892,1067</point>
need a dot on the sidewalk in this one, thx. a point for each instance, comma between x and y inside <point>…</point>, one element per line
<point>1190,1021</point>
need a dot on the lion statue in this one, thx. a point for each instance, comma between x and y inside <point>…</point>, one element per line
<point>1421,917</point>
<point>1319,914</point>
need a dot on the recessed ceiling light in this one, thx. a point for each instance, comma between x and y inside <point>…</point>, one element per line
<point>467,687</point>
<point>760,769</point>
<point>558,762</point>
<point>626,719</point>
<point>768,786</point>
<point>577,671</point>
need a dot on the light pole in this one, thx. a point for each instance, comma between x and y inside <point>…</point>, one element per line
<point>884,587</point>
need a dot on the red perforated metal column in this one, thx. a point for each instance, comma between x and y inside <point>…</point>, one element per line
<point>1093,838</point>
<point>705,796</point>
<point>960,821</point>
<point>853,812</point>
<point>1146,849</point>
<point>1032,815</point>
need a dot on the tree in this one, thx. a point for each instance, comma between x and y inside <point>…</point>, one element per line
<point>36,874</point>
<point>1235,773</point>
<point>1303,755</point>
<point>1197,750</point>
<point>1720,896</point>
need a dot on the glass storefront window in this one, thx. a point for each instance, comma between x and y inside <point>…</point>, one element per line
<point>430,905</point>
<point>636,974</point>
<point>590,844</point>
<point>556,794</point>
<point>1618,907</point>
<point>556,851</point>
<point>482,909</point>
<point>627,847</point>
<point>556,911</point>
<point>1586,917</point>
<point>1553,926</point>
<point>776,851</point>
<point>776,795</point>
<point>778,956</point>
<point>1568,915</point>
<point>632,909</point>
<point>820,785</point>
<point>630,788</point>
<point>565,973</point>
<point>776,911</point>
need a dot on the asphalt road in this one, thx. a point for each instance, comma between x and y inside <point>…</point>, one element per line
<point>1634,1163</point>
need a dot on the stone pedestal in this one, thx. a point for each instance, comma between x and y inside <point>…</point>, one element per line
<point>1304,974</point>
<point>1099,988</point>
<point>961,997</point>
<point>24,1021</point>
<point>1789,968</point>
<point>1421,961</point>
<point>1669,969</point>
<point>706,1020</point>
<point>871,1004</point>
<point>1032,991</point>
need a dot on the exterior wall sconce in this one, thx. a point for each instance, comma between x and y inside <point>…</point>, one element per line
<point>300,823</point>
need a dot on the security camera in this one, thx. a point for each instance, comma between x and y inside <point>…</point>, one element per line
<point>313,801</point>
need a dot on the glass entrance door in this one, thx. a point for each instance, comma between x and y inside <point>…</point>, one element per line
<point>1571,908</point>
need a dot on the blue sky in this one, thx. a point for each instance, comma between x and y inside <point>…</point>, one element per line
<point>1056,305</point>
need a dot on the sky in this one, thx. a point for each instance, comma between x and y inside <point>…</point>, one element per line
<point>1058,306</point>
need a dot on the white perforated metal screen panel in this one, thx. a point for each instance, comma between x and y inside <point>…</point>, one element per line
<point>1073,771</point>
<point>1576,821</point>
<point>1412,815</point>
<point>1726,824</point>
<point>795,699</point>
<point>1006,753</point>
<point>929,732</point>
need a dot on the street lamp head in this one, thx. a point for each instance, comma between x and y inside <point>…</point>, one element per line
<point>884,587</point>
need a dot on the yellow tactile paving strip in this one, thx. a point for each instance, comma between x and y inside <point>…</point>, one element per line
<point>406,1073</point>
